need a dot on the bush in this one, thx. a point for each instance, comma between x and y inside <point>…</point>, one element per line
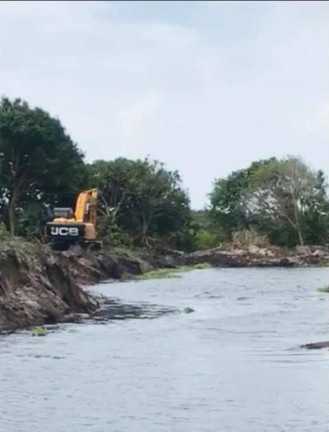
<point>114,236</point>
<point>206,239</point>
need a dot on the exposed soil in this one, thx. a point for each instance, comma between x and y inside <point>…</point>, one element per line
<point>40,286</point>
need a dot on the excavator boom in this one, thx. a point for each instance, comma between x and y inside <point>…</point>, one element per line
<point>85,209</point>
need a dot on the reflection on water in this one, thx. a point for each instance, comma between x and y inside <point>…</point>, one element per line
<point>235,364</point>
<point>114,309</point>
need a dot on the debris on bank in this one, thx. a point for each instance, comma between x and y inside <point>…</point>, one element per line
<point>253,256</point>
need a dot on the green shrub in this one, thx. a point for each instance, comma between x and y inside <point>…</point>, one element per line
<point>206,239</point>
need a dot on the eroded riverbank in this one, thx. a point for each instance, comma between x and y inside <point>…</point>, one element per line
<point>39,286</point>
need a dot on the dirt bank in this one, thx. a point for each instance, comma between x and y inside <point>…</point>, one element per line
<point>39,286</point>
<point>253,256</point>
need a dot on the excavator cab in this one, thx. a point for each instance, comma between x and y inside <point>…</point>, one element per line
<point>78,228</point>
<point>63,212</point>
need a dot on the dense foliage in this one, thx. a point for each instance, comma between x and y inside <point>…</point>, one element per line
<point>283,199</point>
<point>141,203</point>
<point>36,156</point>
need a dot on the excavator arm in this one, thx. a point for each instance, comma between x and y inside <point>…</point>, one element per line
<point>86,207</point>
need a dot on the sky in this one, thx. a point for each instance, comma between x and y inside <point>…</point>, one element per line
<point>206,87</point>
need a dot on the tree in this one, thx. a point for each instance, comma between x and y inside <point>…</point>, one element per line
<point>160,203</point>
<point>281,192</point>
<point>116,182</point>
<point>37,157</point>
<point>283,199</point>
<point>142,198</point>
<point>228,212</point>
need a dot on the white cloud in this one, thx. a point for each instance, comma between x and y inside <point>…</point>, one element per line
<point>205,103</point>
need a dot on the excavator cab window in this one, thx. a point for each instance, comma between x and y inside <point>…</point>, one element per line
<point>61,212</point>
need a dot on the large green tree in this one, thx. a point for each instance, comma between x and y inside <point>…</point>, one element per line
<point>228,211</point>
<point>143,198</point>
<point>282,193</point>
<point>284,199</point>
<point>37,157</point>
<point>116,181</point>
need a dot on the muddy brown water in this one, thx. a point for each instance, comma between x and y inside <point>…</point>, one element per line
<point>234,364</point>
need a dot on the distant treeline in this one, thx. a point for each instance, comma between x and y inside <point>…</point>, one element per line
<point>141,202</point>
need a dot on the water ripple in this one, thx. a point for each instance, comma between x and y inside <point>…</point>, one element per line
<point>234,364</point>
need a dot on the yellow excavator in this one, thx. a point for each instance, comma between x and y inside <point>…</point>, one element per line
<point>78,228</point>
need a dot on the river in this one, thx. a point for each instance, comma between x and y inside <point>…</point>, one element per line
<point>234,364</point>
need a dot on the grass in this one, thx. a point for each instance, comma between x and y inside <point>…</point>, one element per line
<point>160,273</point>
<point>323,289</point>
<point>39,331</point>
<point>168,273</point>
<point>201,266</point>
<point>28,252</point>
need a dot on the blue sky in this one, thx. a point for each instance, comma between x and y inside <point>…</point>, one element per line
<point>206,87</point>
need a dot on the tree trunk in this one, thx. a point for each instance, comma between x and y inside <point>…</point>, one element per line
<point>12,216</point>
<point>300,236</point>
<point>144,230</point>
<point>297,224</point>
